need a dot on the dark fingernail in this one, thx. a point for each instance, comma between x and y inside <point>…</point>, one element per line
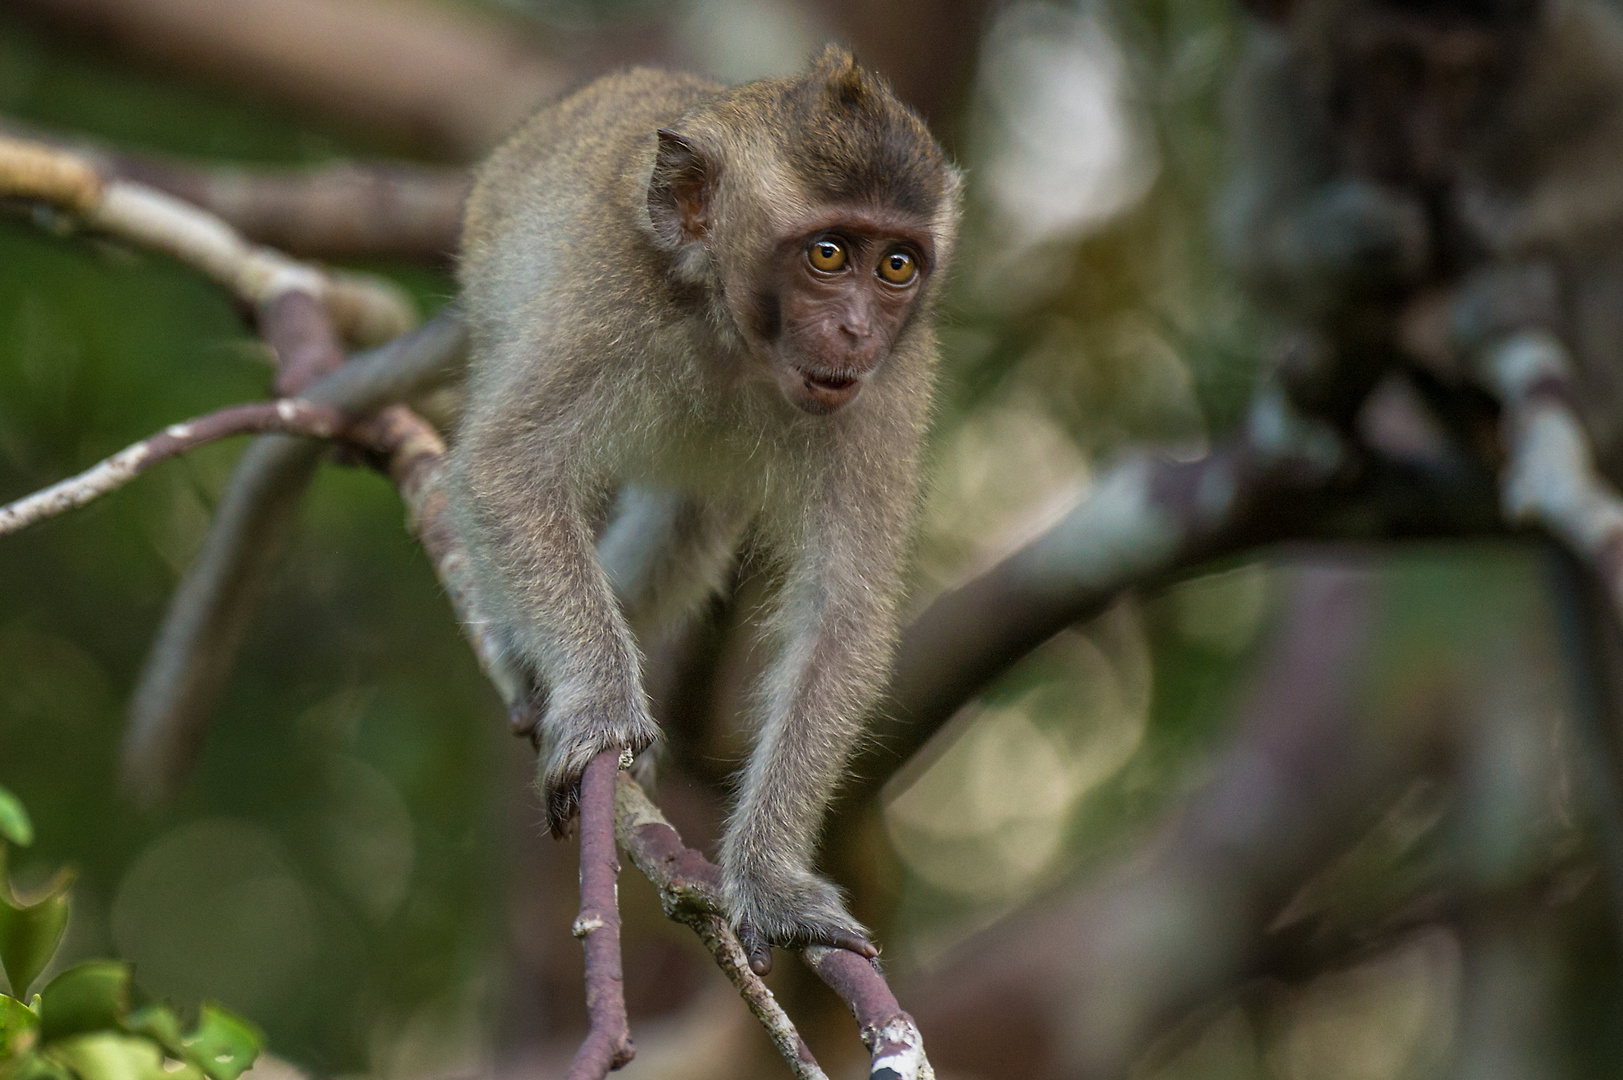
<point>761,965</point>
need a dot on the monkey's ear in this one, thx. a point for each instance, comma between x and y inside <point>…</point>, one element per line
<point>679,191</point>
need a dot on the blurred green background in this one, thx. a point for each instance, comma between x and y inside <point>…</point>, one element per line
<point>354,864</point>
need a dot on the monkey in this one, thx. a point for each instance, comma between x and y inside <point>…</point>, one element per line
<point>713,308</point>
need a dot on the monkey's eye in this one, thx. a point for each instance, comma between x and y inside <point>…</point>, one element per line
<point>827,255</point>
<point>898,268</point>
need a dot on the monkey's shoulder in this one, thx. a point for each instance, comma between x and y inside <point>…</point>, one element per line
<point>576,168</point>
<point>596,125</point>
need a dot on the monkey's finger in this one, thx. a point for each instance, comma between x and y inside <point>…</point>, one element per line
<point>854,942</point>
<point>756,949</point>
<point>563,805</point>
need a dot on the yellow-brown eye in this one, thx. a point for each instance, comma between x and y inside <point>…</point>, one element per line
<point>827,255</point>
<point>898,268</point>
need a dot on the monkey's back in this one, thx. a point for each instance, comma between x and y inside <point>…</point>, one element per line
<point>554,239</point>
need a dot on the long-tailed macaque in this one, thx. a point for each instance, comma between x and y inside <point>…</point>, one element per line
<point>713,308</point>
<point>1454,165</point>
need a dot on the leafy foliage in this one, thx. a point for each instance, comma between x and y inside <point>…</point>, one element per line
<point>82,1025</point>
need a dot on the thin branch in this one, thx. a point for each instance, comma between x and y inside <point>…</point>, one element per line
<point>289,416</point>
<point>892,1038</point>
<point>690,892</point>
<point>607,1045</point>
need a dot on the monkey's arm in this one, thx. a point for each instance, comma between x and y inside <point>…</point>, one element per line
<point>837,619</point>
<point>1297,228</point>
<point>531,543</point>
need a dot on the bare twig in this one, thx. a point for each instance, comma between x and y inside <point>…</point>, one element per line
<point>607,1045</point>
<point>289,416</point>
<point>421,72</point>
<point>690,893</point>
<point>891,1036</point>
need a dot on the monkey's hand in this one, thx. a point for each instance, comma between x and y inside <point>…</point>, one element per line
<point>571,738</point>
<point>789,908</point>
<point>1357,234</point>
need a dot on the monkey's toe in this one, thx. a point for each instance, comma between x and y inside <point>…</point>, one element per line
<point>563,805</point>
<point>758,946</point>
<point>756,949</point>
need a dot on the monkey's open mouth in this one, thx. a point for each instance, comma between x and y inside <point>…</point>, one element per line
<point>818,392</point>
<point>829,384</point>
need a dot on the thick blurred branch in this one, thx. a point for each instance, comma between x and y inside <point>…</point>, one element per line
<point>346,209</point>
<point>192,656</point>
<point>1550,476</point>
<point>366,310</point>
<point>422,72</point>
<point>1075,989</point>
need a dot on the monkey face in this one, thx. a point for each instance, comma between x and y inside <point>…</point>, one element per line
<point>838,294</point>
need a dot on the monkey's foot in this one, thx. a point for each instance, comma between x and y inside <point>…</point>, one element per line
<point>792,914</point>
<point>568,746</point>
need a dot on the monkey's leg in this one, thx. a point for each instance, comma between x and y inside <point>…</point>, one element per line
<point>838,619</point>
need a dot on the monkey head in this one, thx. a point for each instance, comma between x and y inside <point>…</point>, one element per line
<point>815,213</point>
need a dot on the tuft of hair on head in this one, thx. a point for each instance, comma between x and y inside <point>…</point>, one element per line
<point>852,140</point>
<point>842,76</point>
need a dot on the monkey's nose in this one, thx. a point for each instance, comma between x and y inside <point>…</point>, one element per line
<point>856,327</point>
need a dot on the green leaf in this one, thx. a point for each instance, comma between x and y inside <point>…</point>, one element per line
<point>109,1055</point>
<point>224,1045</point>
<point>19,1027</point>
<point>31,1066</point>
<point>30,933</point>
<point>160,1024</point>
<point>15,825</point>
<point>87,997</point>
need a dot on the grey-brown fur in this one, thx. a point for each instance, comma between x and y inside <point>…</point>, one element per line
<point>610,362</point>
